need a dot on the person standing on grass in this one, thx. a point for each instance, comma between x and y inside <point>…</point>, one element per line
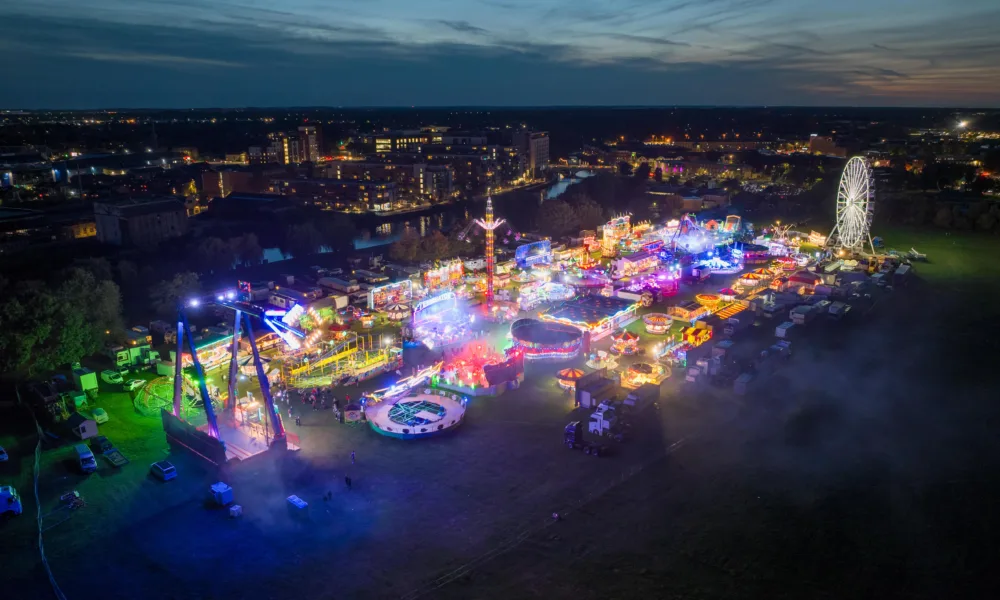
<point>347,480</point>
<point>352,457</point>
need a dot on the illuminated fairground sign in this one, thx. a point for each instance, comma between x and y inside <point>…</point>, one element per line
<point>448,274</point>
<point>535,253</point>
<point>817,239</point>
<point>615,231</point>
<point>389,294</point>
<point>434,308</point>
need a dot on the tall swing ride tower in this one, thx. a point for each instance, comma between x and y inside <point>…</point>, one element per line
<point>489,226</point>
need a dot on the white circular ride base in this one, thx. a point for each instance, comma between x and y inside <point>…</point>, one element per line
<point>419,415</point>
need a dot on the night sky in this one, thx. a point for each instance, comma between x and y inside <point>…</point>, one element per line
<point>208,53</point>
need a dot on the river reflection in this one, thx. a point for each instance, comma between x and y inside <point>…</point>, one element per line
<point>390,231</point>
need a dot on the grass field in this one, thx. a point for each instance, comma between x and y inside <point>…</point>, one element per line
<point>867,465</point>
<point>952,256</point>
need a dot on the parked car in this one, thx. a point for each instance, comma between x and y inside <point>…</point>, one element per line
<point>85,458</point>
<point>100,416</point>
<point>101,444</point>
<point>109,376</point>
<point>10,501</point>
<point>163,470</point>
<point>3,455</point>
<point>134,384</point>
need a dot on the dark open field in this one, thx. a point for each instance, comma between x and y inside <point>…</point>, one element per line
<point>867,466</point>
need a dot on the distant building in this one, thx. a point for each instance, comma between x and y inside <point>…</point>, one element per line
<point>721,145</point>
<point>414,181</point>
<point>140,223</point>
<point>240,158</point>
<point>219,184</point>
<point>311,143</point>
<point>819,144</point>
<point>339,194</point>
<point>534,145</point>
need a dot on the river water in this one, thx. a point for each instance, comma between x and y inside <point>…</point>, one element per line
<point>388,232</point>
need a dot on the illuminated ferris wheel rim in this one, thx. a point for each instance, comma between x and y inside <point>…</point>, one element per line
<point>855,203</point>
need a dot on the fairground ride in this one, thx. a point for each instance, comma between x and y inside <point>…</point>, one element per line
<point>489,225</point>
<point>351,357</point>
<point>241,317</point>
<point>855,207</point>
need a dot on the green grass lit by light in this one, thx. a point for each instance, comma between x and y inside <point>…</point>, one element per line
<point>952,256</point>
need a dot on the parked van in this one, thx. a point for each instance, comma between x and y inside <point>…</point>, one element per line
<point>88,464</point>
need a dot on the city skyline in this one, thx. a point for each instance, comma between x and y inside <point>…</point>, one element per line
<point>183,53</point>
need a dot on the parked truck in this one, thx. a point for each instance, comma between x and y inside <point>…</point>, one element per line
<point>607,421</point>
<point>339,285</point>
<point>573,438</point>
<point>103,446</point>
<point>643,398</point>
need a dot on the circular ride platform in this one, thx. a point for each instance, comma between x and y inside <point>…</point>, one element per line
<point>541,340</point>
<point>419,415</point>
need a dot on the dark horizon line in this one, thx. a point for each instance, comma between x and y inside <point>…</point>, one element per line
<point>508,107</point>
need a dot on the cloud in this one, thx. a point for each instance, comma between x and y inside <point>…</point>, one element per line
<point>766,51</point>
<point>159,59</point>
<point>464,27</point>
<point>645,39</point>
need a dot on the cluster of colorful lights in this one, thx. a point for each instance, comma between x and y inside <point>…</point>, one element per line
<point>625,343</point>
<point>404,386</point>
<point>657,323</point>
<point>465,368</point>
<point>532,295</point>
<point>615,232</point>
<point>445,276</point>
<point>384,296</point>
<point>489,225</point>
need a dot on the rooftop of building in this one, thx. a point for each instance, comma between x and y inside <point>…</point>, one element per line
<point>134,207</point>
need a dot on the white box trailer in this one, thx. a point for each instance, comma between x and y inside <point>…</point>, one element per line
<point>339,301</point>
<point>643,397</point>
<point>783,329</point>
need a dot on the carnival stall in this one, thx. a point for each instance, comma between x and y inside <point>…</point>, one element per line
<point>689,311</point>
<point>567,378</point>
<point>635,264</point>
<point>727,294</point>
<point>696,336</point>
<point>614,232</point>
<point>390,294</point>
<point>447,275</point>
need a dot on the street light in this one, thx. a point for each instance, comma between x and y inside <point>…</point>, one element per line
<point>194,302</point>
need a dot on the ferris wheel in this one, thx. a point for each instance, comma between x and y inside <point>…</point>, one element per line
<point>855,205</point>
